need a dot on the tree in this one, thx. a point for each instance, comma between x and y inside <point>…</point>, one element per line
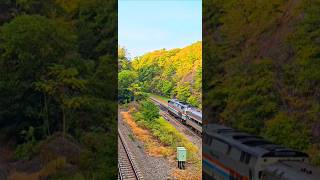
<point>149,111</point>
<point>166,87</point>
<point>285,129</point>
<point>63,85</point>
<point>124,63</point>
<point>166,72</point>
<point>29,44</point>
<point>183,91</point>
<point>96,28</point>
<point>126,78</point>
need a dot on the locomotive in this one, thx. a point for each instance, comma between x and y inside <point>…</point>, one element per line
<point>186,113</point>
<point>229,154</point>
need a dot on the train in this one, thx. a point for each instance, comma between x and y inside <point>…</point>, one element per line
<point>229,154</point>
<point>186,113</point>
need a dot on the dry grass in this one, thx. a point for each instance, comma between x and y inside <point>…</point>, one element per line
<point>188,174</point>
<point>152,145</point>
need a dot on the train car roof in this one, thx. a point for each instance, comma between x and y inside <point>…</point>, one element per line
<point>191,108</point>
<point>179,102</point>
<point>254,145</point>
<point>195,111</point>
<point>293,170</point>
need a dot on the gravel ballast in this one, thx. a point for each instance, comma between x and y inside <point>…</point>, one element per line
<point>157,168</point>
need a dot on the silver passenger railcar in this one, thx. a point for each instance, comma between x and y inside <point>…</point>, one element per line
<point>290,170</point>
<point>194,119</point>
<point>186,113</point>
<point>177,109</point>
<point>232,155</point>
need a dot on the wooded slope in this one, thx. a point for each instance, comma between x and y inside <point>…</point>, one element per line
<point>262,70</point>
<point>58,87</point>
<point>170,73</point>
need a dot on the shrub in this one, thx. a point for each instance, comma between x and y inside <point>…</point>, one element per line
<point>285,129</point>
<point>149,110</point>
<point>26,150</point>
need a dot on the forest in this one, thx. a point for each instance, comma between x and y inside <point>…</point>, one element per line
<point>58,89</point>
<point>261,69</point>
<point>175,73</point>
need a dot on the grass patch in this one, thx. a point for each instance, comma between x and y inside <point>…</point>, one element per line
<point>160,98</point>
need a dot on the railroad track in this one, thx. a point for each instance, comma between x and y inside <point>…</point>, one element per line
<point>167,116</point>
<point>127,168</point>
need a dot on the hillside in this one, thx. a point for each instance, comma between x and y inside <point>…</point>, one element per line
<point>58,110</point>
<point>261,69</point>
<point>170,73</point>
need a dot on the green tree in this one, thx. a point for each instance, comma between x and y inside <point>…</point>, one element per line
<point>29,44</point>
<point>126,78</point>
<point>149,111</point>
<point>285,129</point>
<point>183,91</point>
<point>124,63</point>
<point>63,85</point>
<point>96,23</point>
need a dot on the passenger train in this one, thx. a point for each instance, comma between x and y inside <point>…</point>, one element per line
<point>232,155</point>
<point>187,114</point>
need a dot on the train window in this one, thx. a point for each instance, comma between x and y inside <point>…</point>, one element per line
<point>281,174</point>
<point>242,156</point>
<point>247,159</point>
<point>207,139</point>
<point>260,174</point>
<point>210,141</point>
<point>229,149</point>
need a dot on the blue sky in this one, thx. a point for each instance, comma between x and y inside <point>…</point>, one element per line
<point>148,25</point>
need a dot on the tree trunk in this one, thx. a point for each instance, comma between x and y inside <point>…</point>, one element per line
<point>47,115</point>
<point>63,122</point>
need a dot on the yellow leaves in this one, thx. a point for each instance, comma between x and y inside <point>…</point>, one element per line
<point>183,61</point>
<point>45,87</point>
<point>73,102</point>
<point>68,5</point>
<point>187,61</point>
